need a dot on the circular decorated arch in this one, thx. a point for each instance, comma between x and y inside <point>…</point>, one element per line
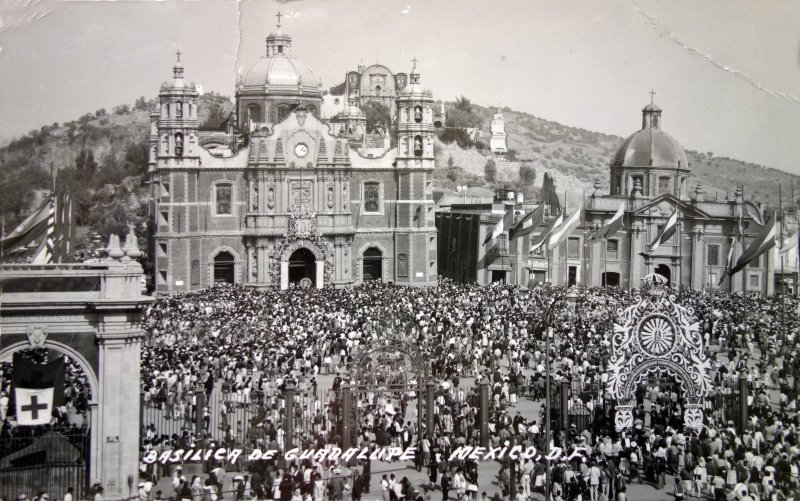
<point>658,336</point>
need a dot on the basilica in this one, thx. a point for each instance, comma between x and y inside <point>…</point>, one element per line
<point>286,197</point>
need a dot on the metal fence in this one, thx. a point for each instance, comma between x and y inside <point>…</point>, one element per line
<point>47,460</point>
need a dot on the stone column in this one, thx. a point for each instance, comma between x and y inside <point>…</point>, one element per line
<point>744,390</point>
<point>564,394</point>
<point>288,424</point>
<point>117,453</point>
<point>698,261</point>
<point>320,275</point>
<point>430,402</point>
<point>284,275</point>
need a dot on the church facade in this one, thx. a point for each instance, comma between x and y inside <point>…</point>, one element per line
<point>285,201</point>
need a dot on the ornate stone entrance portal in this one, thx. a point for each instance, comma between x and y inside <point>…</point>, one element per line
<point>658,337</point>
<point>305,257</point>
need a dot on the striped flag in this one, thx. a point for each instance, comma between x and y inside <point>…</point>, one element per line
<point>561,232</point>
<point>502,225</point>
<point>527,224</point>
<point>611,228</point>
<point>29,230</point>
<point>539,240</point>
<point>728,262</point>
<point>64,229</point>
<point>666,232</point>
<point>763,242</point>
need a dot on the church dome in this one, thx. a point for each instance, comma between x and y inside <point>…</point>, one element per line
<point>651,147</point>
<point>351,112</point>
<point>280,71</point>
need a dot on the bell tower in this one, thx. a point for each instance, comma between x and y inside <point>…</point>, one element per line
<point>177,121</point>
<point>414,125</point>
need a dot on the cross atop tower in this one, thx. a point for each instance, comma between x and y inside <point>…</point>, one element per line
<point>179,56</point>
<point>279,15</point>
<point>652,95</point>
<point>415,64</point>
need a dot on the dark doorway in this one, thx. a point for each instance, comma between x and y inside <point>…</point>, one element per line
<point>373,264</point>
<point>572,276</point>
<point>611,279</point>
<point>498,276</point>
<point>223,268</point>
<point>301,267</point>
<point>664,271</point>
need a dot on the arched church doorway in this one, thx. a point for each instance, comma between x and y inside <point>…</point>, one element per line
<point>611,279</point>
<point>373,264</point>
<point>664,271</point>
<point>301,267</point>
<point>224,268</point>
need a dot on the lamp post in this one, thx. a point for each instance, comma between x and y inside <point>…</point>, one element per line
<point>571,299</point>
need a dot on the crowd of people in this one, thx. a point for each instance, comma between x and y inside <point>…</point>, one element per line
<point>244,348</point>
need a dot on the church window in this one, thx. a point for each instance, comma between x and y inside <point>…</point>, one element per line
<point>223,197</point>
<point>280,49</point>
<point>372,197</point>
<point>195,272</point>
<point>574,248</point>
<point>179,109</point>
<point>417,146</point>
<point>755,263</point>
<point>402,265</point>
<point>283,112</point>
<point>178,144</point>
<point>713,255</point>
<point>166,110</point>
<point>663,185</point>
<point>189,114</point>
<point>754,281</point>
<point>418,114</point>
<point>254,113</point>
<point>612,249</point>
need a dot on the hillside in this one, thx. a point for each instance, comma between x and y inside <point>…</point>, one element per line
<point>103,156</point>
<point>577,157</point>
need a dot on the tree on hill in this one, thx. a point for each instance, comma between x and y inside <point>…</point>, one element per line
<point>463,104</point>
<point>490,171</point>
<point>549,194</point>
<point>458,136</point>
<point>452,171</point>
<point>527,175</point>
<point>378,115</point>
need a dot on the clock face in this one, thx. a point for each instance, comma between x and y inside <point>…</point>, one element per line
<point>301,150</point>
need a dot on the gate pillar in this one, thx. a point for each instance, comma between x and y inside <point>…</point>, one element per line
<point>564,400</point>
<point>288,423</point>
<point>484,413</point>
<point>347,411</point>
<point>744,390</point>
<point>430,399</point>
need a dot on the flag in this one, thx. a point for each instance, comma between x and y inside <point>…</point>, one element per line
<point>38,388</point>
<point>538,240</point>
<point>30,229</point>
<point>63,227</point>
<point>561,232</point>
<point>502,225</point>
<point>527,224</point>
<point>754,213</point>
<point>789,243</point>
<point>666,232</point>
<point>728,262</point>
<point>763,242</point>
<point>611,228</point>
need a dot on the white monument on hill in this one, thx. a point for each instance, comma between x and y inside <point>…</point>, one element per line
<point>497,143</point>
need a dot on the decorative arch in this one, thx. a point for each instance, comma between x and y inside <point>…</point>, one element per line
<point>658,335</point>
<point>360,256</point>
<point>7,353</point>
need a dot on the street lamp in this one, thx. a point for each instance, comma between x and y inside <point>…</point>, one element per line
<point>571,299</point>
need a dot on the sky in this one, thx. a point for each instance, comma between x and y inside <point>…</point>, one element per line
<point>726,72</point>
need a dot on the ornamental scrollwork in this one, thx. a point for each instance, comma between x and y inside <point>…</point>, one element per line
<point>658,335</point>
